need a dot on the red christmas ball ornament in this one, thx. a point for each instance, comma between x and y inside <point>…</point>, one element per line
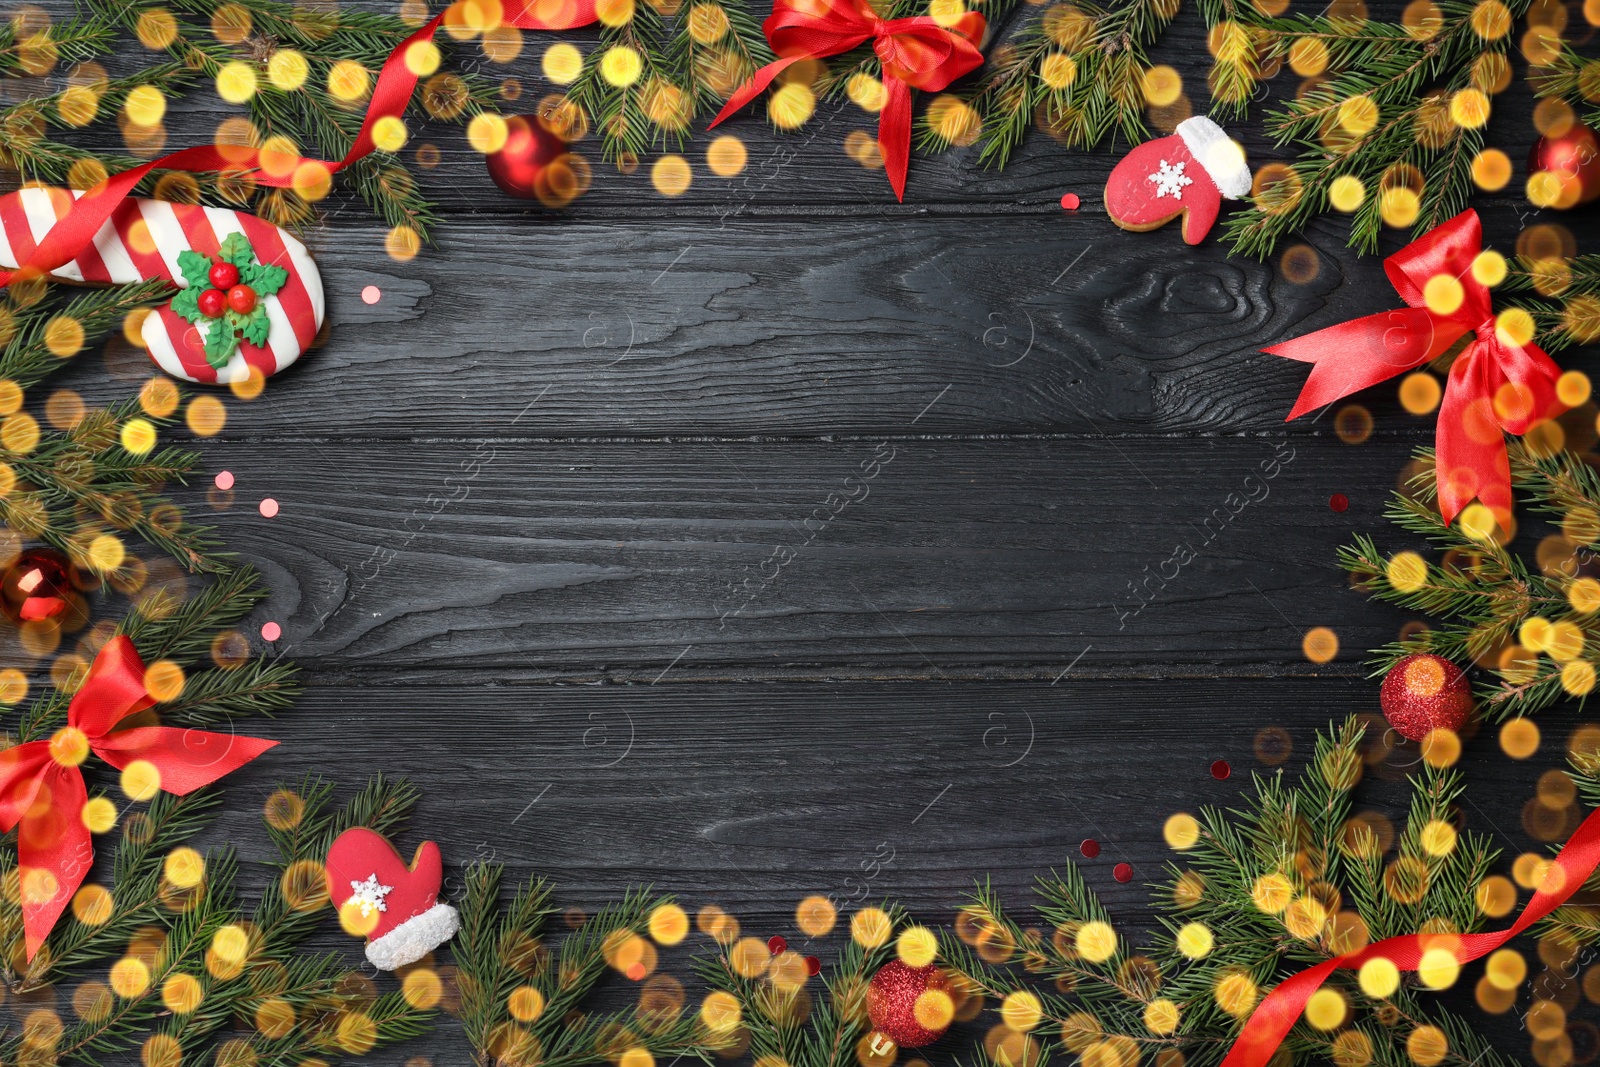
<point>39,585</point>
<point>242,298</point>
<point>519,168</point>
<point>223,275</point>
<point>212,303</point>
<point>1425,692</point>
<point>1574,159</point>
<point>912,1006</point>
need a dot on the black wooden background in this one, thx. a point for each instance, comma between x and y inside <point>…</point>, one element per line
<point>660,392</point>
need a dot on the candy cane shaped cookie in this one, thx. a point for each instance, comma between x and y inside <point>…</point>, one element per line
<point>249,293</point>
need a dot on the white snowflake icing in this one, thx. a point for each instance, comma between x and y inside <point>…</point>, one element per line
<point>368,895</point>
<point>1170,180</point>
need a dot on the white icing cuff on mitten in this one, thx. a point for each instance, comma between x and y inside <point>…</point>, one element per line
<point>414,938</point>
<point>1218,153</point>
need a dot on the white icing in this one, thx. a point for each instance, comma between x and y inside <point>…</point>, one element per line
<point>310,277</point>
<point>166,232</point>
<point>159,345</point>
<point>1170,180</point>
<point>41,219</point>
<point>1219,154</point>
<point>414,938</point>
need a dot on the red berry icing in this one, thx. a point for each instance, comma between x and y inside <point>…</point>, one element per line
<point>213,302</point>
<point>224,275</point>
<point>1425,692</point>
<point>242,298</point>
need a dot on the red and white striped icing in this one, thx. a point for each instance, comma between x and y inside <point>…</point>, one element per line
<point>142,240</point>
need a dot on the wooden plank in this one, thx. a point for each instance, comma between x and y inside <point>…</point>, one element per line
<point>751,797</point>
<point>760,794</point>
<point>924,557</point>
<point>769,328</point>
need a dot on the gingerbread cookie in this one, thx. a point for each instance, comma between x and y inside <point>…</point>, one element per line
<point>1189,173</point>
<point>269,304</point>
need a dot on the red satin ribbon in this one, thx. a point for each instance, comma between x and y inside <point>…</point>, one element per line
<point>390,97</point>
<point>1495,387</point>
<point>1276,1015</point>
<point>46,796</point>
<point>919,53</point>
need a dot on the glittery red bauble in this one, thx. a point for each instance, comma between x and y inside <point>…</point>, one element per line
<point>1574,157</point>
<point>892,1002</point>
<point>519,167</point>
<point>40,584</point>
<point>1425,692</point>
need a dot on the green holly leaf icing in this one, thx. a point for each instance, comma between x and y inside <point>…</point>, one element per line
<point>257,326</point>
<point>196,267</point>
<point>236,250</point>
<point>187,304</point>
<point>265,278</point>
<point>220,343</point>
<point>254,327</point>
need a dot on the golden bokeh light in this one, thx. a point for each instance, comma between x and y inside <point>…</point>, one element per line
<point>671,175</point>
<point>1320,644</point>
<point>1519,738</point>
<point>1420,393</point>
<point>1346,193</point>
<point>141,780</point>
<point>1096,941</point>
<point>791,105</point>
<point>348,81</point>
<point>870,927</point>
<point>815,916</point>
<point>621,66</point>
<point>562,63</point>
<point>1181,831</point>
<point>287,70</point>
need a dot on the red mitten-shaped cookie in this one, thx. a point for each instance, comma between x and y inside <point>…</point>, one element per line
<point>250,295</point>
<point>395,906</point>
<point>1188,174</point>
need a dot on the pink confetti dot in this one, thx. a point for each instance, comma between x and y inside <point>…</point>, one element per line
<point>371,294</point>
<point>271,631</point>
<point>1090,848</point>
<point>1220,769</point>
<point>269,507</point>
<point>223,480</point>
<point>1338,502</point>
<point>1123,872</point>
<point>1070,202</point>
<point>636,972</point>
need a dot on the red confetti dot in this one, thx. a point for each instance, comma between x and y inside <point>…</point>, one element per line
<point>371,294</point>
<point>271,631</point>
<point>223,480</point>
<point>776,944</point>
<point>635,971</point>
<point>1220,769</point>
<point>1123,872</point>
<point>1070,201</point>
<point>269,508</point>
<point>1090,847</point>
<point>1338,502</point>
<point>813,966</point>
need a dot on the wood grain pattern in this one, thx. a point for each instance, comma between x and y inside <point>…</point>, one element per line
<point>929,557</point>
<point>523,494</point>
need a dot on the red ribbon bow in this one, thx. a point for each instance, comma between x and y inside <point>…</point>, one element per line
<point>921,52</point>
<point>1275,1016</point>
<point>41,785</point>
<point>390,97</point>
<point>1495,385</point>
